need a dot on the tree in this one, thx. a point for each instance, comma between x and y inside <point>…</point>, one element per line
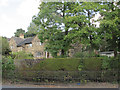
<point>19,31</point>
<point>64,23</point>
<point>32,30</point>
<point>75,19</point>
<point>110,25</point>
<point>82,29</point>
<point>50,22</point>
<point>5,46</point>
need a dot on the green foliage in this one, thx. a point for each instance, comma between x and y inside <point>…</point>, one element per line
<point>63,69</point>
<point>75,17</point>
<point>80,67</point>
<point>5,46</point>
<point>85,54</point>
<point>19,31</point>
<point>93,64</point>
<point>67,64</point>
<point>22,55</point>
<point>111,63</point>
<point>32,30</point>
<point>106,63</point>
<point>50,32</point>
<point>109,25</point>
<point>58,64</point>
<point>7,63</point>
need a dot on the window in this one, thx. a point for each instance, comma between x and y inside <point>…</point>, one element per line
<point>40,43</point>
<point>12,47</point>
<point>30,45</point>
<point>39,54</point>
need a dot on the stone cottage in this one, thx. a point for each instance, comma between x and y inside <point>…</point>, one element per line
<point>29,45</point>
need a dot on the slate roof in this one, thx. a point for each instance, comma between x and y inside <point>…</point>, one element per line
<point>18,40</point>
<point>25,41</point>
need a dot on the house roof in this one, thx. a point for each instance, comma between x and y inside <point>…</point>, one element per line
<point>25,41</point>
<point>18,40</point>
<point>107,52</point>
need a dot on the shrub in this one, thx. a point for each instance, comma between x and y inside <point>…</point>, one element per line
<point>62,69</point>
<point>22,55</point>
<point>111,63</point>
<point>85,54</point>
<point>58,64</point>
<point>106,63</point>
<point>7,66</point>
<point>7,63</point>
<point>67,64</point>
<point>93,64</point>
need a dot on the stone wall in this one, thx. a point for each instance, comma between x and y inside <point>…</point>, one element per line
<point>35,47</point>
<point>13,45</point>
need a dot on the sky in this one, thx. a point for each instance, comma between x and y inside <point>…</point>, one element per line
<point>15,14</point>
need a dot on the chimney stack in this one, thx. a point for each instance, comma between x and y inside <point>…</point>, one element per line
<point>21,36</point>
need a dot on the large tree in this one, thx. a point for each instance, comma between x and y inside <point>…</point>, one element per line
<point>75,19</point>
<point>19,31</point>
<point>80,23</point>
<point>64,23</point>
<point>32,30</point>
<point>51,18</point>
<point>110,25</point>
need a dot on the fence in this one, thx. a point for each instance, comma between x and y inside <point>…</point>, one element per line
<point>66,77</point>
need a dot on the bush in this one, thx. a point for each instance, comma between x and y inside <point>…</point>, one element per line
<point>57,64</point>
<point>62,69</point>
<point>7,66</point>
<point>111,63</point>
<point>93,64</point>
<point>85,54</point>
<point>67,64</point>
<point>22,55</point>
<point>47,67</point>
<point>7,63</point>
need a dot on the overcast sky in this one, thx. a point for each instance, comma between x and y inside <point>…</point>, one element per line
<point>15,14</point>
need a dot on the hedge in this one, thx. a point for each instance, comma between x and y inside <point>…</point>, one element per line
<point>62,69</point>
<point>66,64</point>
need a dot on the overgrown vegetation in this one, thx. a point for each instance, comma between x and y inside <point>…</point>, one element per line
<point>85,54</point>
<point>67,64</point>
<point>67,69</point>
<point>7,66</point>
<point>22,55</point>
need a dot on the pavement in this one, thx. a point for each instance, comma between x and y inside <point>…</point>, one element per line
<point>10,86</point>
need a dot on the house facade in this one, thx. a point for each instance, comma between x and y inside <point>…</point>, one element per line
<point>29,45</point>
<point>35,47</point>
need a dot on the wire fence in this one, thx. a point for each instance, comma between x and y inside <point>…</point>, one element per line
<point>66,77</point>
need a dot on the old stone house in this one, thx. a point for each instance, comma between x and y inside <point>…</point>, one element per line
<point>29,45</point>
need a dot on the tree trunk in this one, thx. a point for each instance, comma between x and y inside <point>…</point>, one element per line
<point>62,52</point>
<point>66,32</point>
<point>114,44</point>
<point>91,42</point>
<point>115,53</point>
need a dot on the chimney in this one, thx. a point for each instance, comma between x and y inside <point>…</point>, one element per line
<point>21,36</point>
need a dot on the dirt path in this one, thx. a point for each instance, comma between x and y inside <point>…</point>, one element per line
<point>88,85</point>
